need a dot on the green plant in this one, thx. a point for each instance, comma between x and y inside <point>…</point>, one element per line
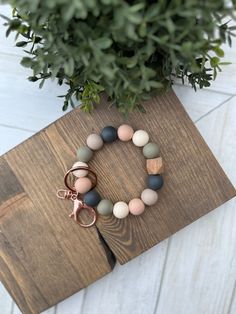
<point>129,49</point>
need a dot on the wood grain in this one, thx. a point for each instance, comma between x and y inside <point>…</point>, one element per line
<point>155,165</point>
<point>194,185</point>
<point>11,191</point>
<point>194,181</point>
<point>44,256</point>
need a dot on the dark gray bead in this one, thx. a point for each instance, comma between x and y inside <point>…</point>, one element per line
<point>92,198</point>
<point>155,182</point>
<point>109,134</point>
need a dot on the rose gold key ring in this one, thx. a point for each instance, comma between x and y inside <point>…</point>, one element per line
<point>72,195</point>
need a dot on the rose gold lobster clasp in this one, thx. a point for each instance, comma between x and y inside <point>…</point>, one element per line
<point>73,195</point>
<point>67,194</point>
<point>78,207</point>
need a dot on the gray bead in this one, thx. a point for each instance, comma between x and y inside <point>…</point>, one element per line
<point>84,154</point>
<point>105,207</point>
<point>151,150</point>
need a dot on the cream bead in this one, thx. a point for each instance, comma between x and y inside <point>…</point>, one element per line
<point>120,210</point>
<point>83,185</point>
<point>149,197</point>
<point>94,141</point>
<point>125,132</point>
<point>136,206</point>
<point>140,138</point>
<point>80,173</point>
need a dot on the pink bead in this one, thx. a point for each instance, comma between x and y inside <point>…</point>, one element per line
<point>136,206</point>
<point>83,185</point>
<point>125,132</point>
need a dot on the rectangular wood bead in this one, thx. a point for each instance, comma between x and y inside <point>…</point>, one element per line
<point>155,165</point>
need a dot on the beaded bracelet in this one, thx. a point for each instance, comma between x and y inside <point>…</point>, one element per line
<point>82,190</point>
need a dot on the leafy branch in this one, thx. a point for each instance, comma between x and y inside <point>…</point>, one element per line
<point>131,50</point>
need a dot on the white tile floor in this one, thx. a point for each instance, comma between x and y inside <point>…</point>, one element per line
<point>194,271</point>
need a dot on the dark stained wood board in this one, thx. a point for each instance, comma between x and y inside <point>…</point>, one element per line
<point>194,181</point>
<point>44,256</point>
<point>194,185</point>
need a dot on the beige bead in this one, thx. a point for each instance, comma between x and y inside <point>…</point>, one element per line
<point>80,173</point>
<point>155,166</point>
<point>94,141</point>
<point>140,138</point>
<point>120,210</point>
<point>149,197</point>
<point>83,185</point>
<point>136,206</point>
<point>125,132</point>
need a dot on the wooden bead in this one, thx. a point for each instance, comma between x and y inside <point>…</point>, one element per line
<point>92,198</point>
<point>84,153</point>
<point>125,132</point>
<point>140,138</point>
<point>83,185</point>
<point>120,210</point>
<point>109,134</point>
<point>149,197</point>
<point>155,182</point>
<point>136,206</point>
<point>155,166</point>
<point>94,141</point>
<point>105,207</point>
<point>151,150</point>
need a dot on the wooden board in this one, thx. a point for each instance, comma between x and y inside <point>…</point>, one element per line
<point>44,258</point>
<point>194,185</point>
<point>194,182</point>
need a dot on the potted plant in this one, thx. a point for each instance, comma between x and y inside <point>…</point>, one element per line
<point>129,49</point>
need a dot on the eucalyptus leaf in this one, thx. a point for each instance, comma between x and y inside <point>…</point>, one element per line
<point>132,50</point>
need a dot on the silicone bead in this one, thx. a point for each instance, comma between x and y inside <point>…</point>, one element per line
<point>125,132</point>
<point>109,134</point>
<point>136,206</point>
<point>155,182</point>
<point>92,198</point>
<point>94,141</point>
<point>80,173</point>
<point>84,154</point>
<point>151,150</point>
<point>120,210</point>
<point>83,185</point>
<point>105,207</point>
<point>140,138</point>
<point>149,197</point>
